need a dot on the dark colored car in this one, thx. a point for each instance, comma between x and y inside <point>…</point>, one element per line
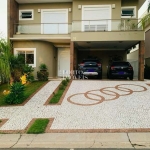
<point>120,69</point>
<point>90,67</point>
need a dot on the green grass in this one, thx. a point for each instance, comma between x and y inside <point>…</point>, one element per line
<point>55,99</point>
<point>29,90</point>
<point>38,126</point>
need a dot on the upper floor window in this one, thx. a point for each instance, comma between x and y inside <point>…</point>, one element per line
<point>26,14</point>
<point>128,12</point>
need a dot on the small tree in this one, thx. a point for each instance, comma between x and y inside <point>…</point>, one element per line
<point>5,54</point>
<point>148,8</point>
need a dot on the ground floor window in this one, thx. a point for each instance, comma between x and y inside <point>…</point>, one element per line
<point>29,55</point>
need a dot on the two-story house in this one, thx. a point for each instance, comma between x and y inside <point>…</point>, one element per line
<point>61,33</point>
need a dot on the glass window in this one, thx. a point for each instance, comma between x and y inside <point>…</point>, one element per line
<point>26,14</point>
<point>28,55</point>
<point>128,12</point>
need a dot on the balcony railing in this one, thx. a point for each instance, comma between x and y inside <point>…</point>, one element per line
<point>43,28</point>
<point>78,26</point>
<point>105,25</point>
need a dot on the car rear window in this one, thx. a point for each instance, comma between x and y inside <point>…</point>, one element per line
<point>90,64</point>
<point>90,60</point>
<point>121,64</point>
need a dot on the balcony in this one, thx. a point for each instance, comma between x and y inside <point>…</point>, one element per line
<point>78,26</point>
<point>44,28</point>
<point>105,25</point>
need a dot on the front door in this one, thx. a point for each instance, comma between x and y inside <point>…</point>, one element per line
<point>63,62</point>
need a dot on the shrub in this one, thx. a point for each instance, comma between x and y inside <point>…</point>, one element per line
<point>62,87</point>
<point>28,71</point>
<point>16,94</point>
<point>67,79</point>
<point>64,82</point>
<point>43,67</point>
<point>42,75</point>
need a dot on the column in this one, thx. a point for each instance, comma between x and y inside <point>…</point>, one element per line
<point>71,58</point>
<point>141,60</point>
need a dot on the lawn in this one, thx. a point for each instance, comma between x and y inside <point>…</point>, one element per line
<point>38,126</point>
<point>29,90</point>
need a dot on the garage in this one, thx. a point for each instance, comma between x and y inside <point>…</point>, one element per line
<point>105,51</point>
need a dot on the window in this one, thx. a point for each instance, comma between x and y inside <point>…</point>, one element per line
<point>26,14</point>
<point>29,55</point>
<point>128,12</point>
<point>96,18</point>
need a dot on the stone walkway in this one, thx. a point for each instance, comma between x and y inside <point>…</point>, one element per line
<point>88,106</point>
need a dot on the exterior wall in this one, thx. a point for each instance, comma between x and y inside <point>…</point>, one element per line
<point>131,3</point>
<point>45,53</point>
<point>108,36</point>
<point>77,14</point>
<point>12,17</point>
<point>37,16</point>
<point>102,55</point>
<point>133,59</point>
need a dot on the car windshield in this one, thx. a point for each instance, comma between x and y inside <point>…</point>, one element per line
<point>120,64</point>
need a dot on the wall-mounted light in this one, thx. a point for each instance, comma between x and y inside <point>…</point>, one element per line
<point>113,6</point>
<point>69,9</point>
<point>39,10</point>
<point>79,6</point>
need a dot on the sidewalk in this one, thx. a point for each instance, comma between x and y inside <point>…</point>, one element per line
<point>76,140</point>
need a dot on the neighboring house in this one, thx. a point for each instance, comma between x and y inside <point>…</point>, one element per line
<point>60,33</point>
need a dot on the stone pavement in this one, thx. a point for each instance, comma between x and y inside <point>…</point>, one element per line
<point>88,106</point>
<point>89,109</point>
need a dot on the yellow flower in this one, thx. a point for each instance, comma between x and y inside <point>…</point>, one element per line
<point>5,92</point>
<point>23,79</point>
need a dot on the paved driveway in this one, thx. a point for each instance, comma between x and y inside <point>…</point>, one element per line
<point>88,106</point>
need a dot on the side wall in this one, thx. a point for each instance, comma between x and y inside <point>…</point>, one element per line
<point>12,17</point>
<point>45,53</point>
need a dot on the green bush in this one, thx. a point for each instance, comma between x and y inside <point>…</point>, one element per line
<point>64,82</point>
<point>28,71</point>
<point>16,94</point>
<point>67,79</point>
<point>62,87</point>
<point>42,75</point>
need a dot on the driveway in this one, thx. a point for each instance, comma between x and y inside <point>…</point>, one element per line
<point>88,106</point>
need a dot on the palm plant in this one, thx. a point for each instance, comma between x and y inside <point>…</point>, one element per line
<point>148,8</point>
<point>5,54</point>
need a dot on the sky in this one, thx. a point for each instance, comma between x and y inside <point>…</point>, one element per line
<point>3,16</point>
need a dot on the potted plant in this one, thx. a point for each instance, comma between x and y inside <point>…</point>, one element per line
<point>43,67</point>
<point>42,75</point>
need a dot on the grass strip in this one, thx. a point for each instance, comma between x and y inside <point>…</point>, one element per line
<point>29,90</point>
<point>55,99</point>
<point>38,126</point>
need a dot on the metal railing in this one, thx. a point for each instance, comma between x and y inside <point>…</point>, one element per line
<point>78,26</point>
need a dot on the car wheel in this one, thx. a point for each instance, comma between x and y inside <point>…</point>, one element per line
<point>131,77</point>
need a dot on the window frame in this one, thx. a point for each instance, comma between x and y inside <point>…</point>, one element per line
<point>26,10</point>
<point>26,49</point>
<point>129,7</point>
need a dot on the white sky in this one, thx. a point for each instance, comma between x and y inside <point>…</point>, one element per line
<point>3,16</point>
